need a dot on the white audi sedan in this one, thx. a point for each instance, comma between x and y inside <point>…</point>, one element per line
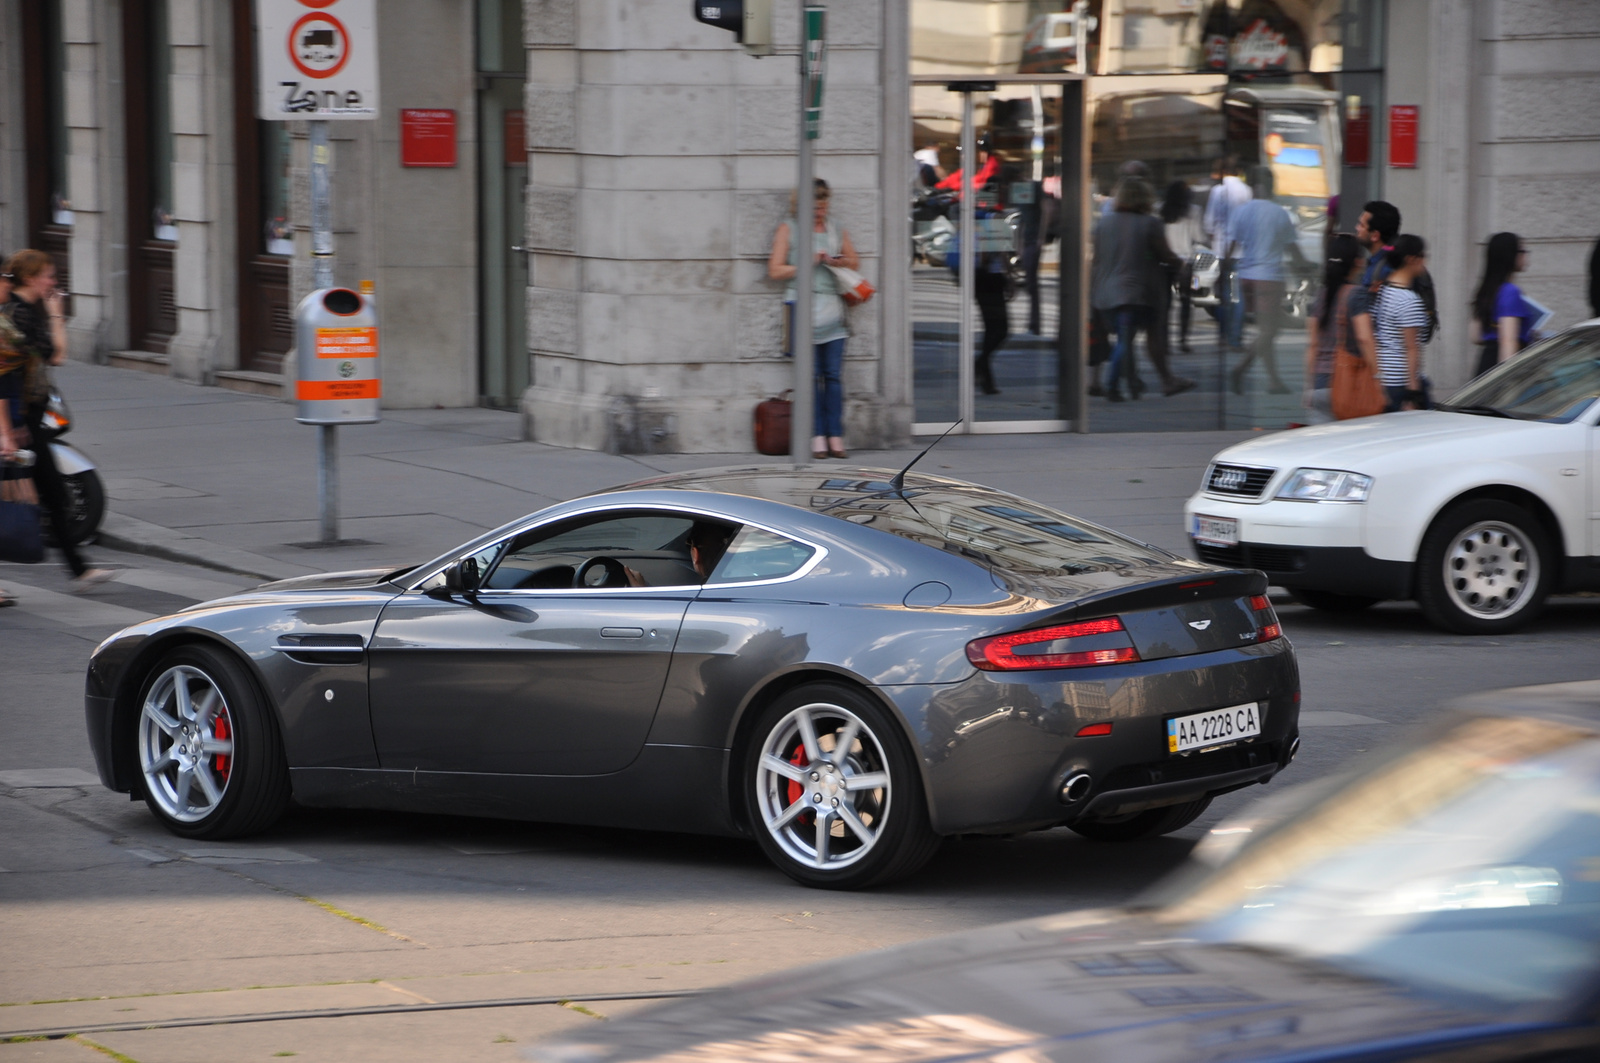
<point>1479,508</point>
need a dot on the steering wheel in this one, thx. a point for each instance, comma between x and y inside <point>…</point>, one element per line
<point>600,572</point>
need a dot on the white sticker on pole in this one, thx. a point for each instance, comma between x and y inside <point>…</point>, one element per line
<point>316,59</point>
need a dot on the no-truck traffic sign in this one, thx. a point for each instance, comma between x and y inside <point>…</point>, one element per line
<point>316,59</point>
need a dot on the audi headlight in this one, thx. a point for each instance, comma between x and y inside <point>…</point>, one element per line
<point>1326,485</point>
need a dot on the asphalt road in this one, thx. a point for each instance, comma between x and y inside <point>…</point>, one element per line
<point>151,947</point>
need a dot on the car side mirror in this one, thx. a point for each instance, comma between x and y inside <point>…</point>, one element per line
<point>462,577</point>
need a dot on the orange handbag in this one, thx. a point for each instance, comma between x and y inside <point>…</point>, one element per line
<point>1355,391</point>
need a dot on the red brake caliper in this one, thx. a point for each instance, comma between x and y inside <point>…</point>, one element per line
<point>220,728</point>
<point>796,791</point>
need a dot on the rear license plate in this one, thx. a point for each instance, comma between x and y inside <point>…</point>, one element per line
<point>1218,531</point>
<point>1201,730</point>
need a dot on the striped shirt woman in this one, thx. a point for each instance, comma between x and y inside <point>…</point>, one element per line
<point>1401,320</point>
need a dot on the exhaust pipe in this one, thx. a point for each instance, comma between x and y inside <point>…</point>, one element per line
<point>1076,787</point>
<point>1294,747</point>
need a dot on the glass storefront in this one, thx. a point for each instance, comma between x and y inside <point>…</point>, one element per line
<point>1280,88</point>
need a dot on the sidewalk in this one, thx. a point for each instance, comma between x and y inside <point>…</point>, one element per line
<point>229,481</point>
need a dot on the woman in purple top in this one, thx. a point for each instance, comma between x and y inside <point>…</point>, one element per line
<point>1505,319</point>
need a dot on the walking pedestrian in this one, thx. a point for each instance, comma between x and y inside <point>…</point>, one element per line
<point>832,247</point>
<point>1181,215</point>
<point>989,288</point>
<point>1377,227</point>
<point>1402,322</point>
<point>13,371</point>
<point>1228,194</point>
<point>1504,318</point>
<point>1338,318</point>
<point>36,309</point>
<point>1264,233</point>
<point>1130,254</point>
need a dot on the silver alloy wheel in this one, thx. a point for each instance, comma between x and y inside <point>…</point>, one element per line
<point>186,743</point>
<point>822,786</point>
<point>1490,570</point>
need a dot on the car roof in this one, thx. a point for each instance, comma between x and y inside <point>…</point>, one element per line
<point>794,487</point>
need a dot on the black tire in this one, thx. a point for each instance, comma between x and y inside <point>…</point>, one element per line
<point>895,815</point>
<point>1330,602</point>
<point>1485,568</point>
<point>86,506</point>
<point>251,778</point>
<point>1148,824</point>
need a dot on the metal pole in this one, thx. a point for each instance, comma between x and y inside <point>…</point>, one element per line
<point>321,208</point>
<point>966,331</point>
<point>322,277</point>
<point>803,412</point>
<point>328,481</point>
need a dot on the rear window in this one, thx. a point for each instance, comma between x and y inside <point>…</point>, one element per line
<point>1004,531</point>
<point>755,554</point>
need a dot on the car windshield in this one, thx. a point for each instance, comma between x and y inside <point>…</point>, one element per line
<point>1466,866</point>
<point>1554,380</point>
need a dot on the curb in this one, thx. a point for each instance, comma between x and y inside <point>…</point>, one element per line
<point>141,537</point>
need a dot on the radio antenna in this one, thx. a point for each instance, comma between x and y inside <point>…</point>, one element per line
<point>899,481</point>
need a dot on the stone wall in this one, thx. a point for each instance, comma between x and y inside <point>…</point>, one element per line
<point>661,162</point>
<point>1509,141</point>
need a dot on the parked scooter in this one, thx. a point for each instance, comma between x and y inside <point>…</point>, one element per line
<point>86,495</point>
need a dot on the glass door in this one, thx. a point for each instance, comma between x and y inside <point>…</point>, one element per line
<point>996,333</point>
<point>502,193</point>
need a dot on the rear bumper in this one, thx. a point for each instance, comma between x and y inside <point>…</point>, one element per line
<point>1340,569</point>
<point>996,748</point>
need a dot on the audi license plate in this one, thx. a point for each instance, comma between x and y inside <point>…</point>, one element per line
<point>1202,730</point>
<point>1216,531</point>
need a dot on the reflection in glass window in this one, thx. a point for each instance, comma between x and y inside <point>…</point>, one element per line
<point>1553,381</point>
<point>756,554</point>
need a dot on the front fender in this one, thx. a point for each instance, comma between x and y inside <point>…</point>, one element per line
<point>1404,504</point>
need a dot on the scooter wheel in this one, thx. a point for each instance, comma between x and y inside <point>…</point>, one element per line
<point>86,506</point>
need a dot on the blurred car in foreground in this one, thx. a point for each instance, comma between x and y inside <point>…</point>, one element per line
<point>848,665</point>
<point>1479,508</point>
<point>1443,903</point>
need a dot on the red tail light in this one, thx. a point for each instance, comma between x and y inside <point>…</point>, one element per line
<point>998,653</point>
<point>1268,627</point>
<point>1093,730</point>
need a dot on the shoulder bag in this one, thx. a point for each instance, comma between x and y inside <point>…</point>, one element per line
<point>1355,391</point>
<point>20,540</point>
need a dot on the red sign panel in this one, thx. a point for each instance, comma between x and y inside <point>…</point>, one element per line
<point>516,138</point>
<point>1358,139</point>
<point>427,137</point>
<point>1403,137</point>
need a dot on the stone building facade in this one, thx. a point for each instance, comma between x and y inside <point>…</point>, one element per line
<point>596,257</point>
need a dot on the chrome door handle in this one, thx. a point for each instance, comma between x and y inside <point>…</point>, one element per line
<point>622,632</point>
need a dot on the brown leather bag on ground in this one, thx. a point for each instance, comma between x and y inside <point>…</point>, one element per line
<point>772,425</point>
<point>1355,392</point>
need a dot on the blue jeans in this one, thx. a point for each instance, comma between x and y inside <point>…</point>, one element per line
<point>829,408</point>
<point>1127,320</point>
<point>1230,307</point>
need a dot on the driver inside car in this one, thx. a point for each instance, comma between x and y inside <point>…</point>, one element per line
<point>707,542</point>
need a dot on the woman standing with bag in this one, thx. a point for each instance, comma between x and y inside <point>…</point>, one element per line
<point>36,309</point>
<point>832,248</point>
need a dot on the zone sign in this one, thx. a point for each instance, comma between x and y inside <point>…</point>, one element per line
<point>316,59</point>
